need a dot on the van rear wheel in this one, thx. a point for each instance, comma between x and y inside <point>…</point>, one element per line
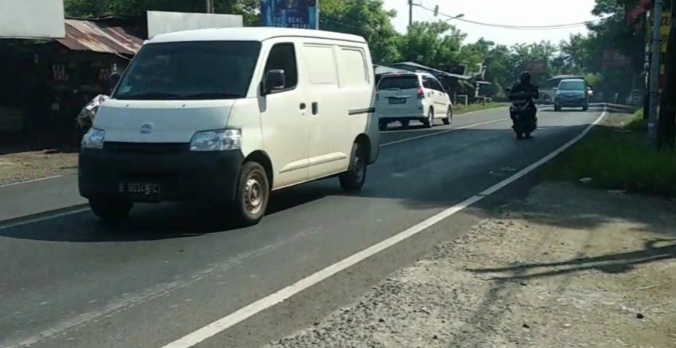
<point>449,116</point>
<point>429,121</point>
<point>253,194</point>
<point>355,176</point>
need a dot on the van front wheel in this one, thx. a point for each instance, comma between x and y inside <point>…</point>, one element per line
<point>253,193</point>
<point>355,176</point>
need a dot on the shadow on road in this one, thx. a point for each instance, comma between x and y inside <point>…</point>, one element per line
<point>154,222</point>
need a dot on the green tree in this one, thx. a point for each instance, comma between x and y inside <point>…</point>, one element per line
<point>366,18</point>
<point>432,44</point>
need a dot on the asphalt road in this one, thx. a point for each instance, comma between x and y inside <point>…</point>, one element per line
<point>67,282</point>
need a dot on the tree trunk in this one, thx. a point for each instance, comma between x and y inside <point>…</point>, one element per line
<point>667,117</point>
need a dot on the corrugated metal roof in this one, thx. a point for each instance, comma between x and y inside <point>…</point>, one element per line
<point>84,35</point>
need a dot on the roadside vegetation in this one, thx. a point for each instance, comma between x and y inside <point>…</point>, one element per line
<point>617,156</point>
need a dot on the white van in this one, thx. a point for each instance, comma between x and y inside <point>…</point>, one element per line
<point>229,115</point>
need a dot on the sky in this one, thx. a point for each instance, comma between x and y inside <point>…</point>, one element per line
<point>507,12</point>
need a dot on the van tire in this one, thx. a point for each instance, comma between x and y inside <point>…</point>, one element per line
<point>252,194</point>
<point>449,116</point>
<point>354,178</point>
<point>429,121</point>
<point>110,209</point>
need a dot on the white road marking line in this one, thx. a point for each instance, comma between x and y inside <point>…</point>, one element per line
<point>220,325</point>
<point>443,132</point>
<point>42,218</point>
<point>31,181</point>
<point>454,116</point>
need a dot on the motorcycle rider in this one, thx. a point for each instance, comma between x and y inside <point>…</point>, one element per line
<point>524,85</point>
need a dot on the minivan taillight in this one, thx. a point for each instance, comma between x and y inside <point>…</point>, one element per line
<point>421,93</point>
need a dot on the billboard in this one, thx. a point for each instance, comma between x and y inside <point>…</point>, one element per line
<point>537,66</point>
<point>167,22</point>
<point>32,19</point>
<point>290,13</point>
<point>615,59</point>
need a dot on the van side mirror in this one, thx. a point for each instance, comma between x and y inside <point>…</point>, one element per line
<point>555,88</point>
<point>274,80</point>
<point>113,79</point>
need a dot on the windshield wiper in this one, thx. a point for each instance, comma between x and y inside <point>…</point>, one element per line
<point>148,96</point>
<point>210,95</point>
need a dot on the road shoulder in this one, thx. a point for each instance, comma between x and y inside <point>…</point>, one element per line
<point>564,265</point>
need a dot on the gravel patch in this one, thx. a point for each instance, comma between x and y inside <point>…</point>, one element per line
<point>25,166</point>
<point>568,267</point>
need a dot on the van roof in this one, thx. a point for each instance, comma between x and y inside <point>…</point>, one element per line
<point>251,34</point>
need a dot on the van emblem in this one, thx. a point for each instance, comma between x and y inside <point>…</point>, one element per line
<point>146,128</point>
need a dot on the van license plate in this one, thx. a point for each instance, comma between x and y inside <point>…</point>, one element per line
<point>397,100</point>
<point>141,189</point>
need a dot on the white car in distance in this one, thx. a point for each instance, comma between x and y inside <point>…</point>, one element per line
<point>412,96</point>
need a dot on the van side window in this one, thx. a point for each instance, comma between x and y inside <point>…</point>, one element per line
<point>427,83</point>
<point>283,56</point>
<point>437,85</point>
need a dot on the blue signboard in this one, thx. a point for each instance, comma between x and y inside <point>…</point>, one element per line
<point>290,13</point>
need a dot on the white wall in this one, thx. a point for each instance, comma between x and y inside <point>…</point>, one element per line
<point>32,19</point>
<point>167,22</point>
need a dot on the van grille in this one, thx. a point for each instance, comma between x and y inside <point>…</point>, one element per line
<point>145,148</point>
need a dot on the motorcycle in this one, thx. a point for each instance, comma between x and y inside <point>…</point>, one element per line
<point>85,118</point>
<point>522,114</point>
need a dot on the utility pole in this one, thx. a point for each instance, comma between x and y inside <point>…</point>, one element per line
<point>210,6</point>
<point>655,71</point>
<point>410,13</point>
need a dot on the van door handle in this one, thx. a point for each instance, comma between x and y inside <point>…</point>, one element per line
<point>315,108</point>
<point>303,106</point>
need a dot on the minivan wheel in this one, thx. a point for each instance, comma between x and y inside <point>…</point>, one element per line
<point>110,209</point>
<point>354,178</point>
<point>429,122</point>
<point>253,193</point>
<point>449,116</point>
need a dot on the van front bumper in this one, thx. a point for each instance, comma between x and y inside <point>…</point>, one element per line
<point>158,173</point>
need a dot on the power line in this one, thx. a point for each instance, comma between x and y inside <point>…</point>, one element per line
<point>515,27</point>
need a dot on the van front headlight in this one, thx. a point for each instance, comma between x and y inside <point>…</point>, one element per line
<point>217,140</point>
<point>93,139</point>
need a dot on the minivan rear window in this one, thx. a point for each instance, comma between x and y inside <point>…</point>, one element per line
<point>578,85</point>
<point>192,70</point>
<point>400,82</point>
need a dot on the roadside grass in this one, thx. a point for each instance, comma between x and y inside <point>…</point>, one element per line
<point>617,157</point>
<point>462,109</point>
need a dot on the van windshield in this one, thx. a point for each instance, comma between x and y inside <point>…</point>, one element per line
<point>400,82</point>
<point>572,85</point>
<point>195,70</point>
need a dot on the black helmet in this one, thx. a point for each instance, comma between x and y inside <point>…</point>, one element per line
<point>524,77</point>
